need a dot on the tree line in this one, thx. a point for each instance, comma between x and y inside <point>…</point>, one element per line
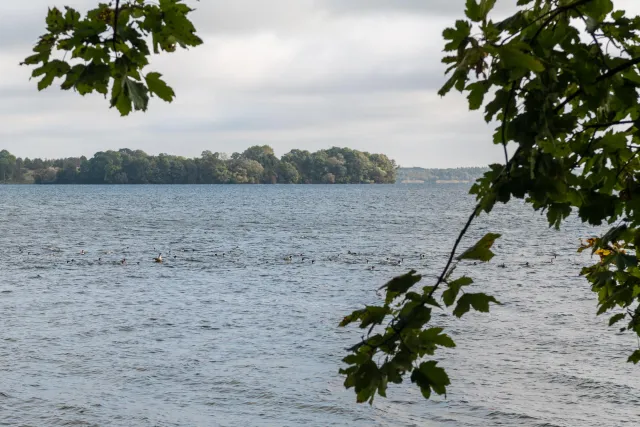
<point>256,165</point>
<point>433,175</point>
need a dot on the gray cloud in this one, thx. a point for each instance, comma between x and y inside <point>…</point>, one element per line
<point>304,74</point>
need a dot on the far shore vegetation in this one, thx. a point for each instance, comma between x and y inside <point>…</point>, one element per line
<point>256,165</point>
<point>439,176</point>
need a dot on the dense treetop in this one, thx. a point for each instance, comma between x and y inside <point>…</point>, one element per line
<point>255,165</point>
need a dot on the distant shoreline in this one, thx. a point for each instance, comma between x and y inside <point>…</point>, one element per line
<point>438,181</point>
<point>256,165</point>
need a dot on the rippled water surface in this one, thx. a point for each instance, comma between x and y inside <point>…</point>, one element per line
<point>227,333</point>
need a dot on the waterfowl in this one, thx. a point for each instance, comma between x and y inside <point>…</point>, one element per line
<point>158,259</point>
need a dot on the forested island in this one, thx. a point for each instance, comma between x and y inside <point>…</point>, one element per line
<point>438,176</point>
<point>256,165</point>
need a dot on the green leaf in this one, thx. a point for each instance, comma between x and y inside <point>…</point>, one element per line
<point>634,358</point>
<point>457,35</point>
<point>481,251</point>
<point>435,335</point>
<point>158,87</point>
<point>373,315</point>
<point>473,11</point>
<point>428,376</point>
<point>598,9</point>
<point>616,318</point>
<point>46,81</point>
<point>55,21</point>
<point>592,24</point>
<point>401,284</point>
<point>486,6</point>
<point>451,82</point>
<point>512,57</point>
<point>479,302</point>
<point>449,296</point>
<point>119,98</point>
<point>477,93</point>
<point>137,93</point>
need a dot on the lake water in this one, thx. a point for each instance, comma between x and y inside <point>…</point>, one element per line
<point>249,339</point>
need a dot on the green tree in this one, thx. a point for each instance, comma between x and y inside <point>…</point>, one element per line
<point>266,157</point>
<point>302,160</point>
<point>567,99</point>
<point>287,173</point>
<point>7,166</point>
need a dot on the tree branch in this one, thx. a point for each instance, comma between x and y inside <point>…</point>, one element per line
<point>612,72</point>
<point>559,11</point>
<point>607,124</point>
<point>462,233</point>
<point>115,25</point>
<point>504,122</point>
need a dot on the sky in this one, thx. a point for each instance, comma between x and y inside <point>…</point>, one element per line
<point>306,74</point>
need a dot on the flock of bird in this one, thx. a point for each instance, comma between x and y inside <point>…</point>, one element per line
<point>106,257</point>
<point>371,262</point>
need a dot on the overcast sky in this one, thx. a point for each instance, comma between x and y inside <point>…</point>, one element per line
<point>306,74</point>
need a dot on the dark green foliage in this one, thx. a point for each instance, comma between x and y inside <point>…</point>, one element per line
<point>567,100</point>
<point>108,48</point>
<point>9,167</point>
<point>453,289</point>
<point>256,165</point>
<point>479,302</point>
<point>481,251</point>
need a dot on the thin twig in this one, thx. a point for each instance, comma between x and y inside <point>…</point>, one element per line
<point>462,233</point>
<point>626,164</point>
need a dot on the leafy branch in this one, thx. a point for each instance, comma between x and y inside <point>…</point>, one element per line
<point>565,159</point>
<point>109,50</point>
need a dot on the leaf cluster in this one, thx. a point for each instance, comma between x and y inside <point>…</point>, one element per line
<point>107,49</point>
<point>561,80</point>
<point>401,334</point>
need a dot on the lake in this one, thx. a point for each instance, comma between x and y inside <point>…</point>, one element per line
<point>226,332</point>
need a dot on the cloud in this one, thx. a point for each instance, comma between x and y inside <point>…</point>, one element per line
<point>304,74</point>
